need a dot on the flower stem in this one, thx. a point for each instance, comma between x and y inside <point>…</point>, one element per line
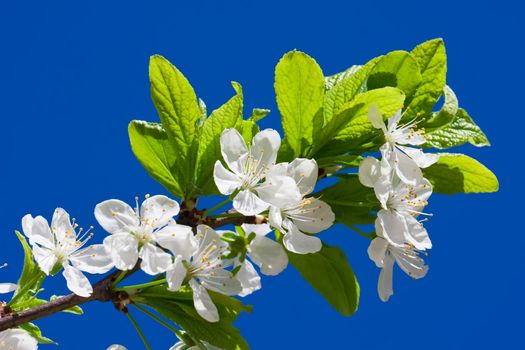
<point>361,232</point>
<point>140,286</point>
<point>120,277</point>
<point>220,205</point>
<point>159,320</point>
<point>226,215</point>
<point>139,331</point>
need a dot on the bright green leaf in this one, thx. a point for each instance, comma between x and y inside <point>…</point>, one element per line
<point>36,333</point>
<point>299,86</point>
<point>156,153</point>
<point>330,274</point>
<point>258,114</point>
<point>458,173</point>
<point>335,79</point>
<point>446,114</point>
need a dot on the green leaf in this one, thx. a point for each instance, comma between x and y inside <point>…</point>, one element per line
<point>396,69</point>
<point>342,159</point>
<point>350,128</point>
<point>36,333</point>
<point>176,103</point>
<point>458,173</point>
<point>351,202</point>
<point>154,150</point>
<point>227,116</point>
<point>446,114</point>
<point>30,279</point>
<point>460,131</point>
<point>178,307</point>
<point>335,79</point>
<point>299,86</point>
<point>431,59</point>
<point>345,87</point>
<point>258,114</point>
<point>330,274</point>
<point>247,129</point>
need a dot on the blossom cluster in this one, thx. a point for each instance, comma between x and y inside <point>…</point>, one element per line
<point>403,192</point>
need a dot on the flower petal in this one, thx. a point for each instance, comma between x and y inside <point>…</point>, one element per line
<point>249,279</point>
<point>175,274</point>
<point>276,218</point>
<point>7,288</point>
<point>123,249</point>
<point>410,262</point>
<point>422,159</point>
<point>41,233</point>
<point>394,120</point>
<point>62,228</point>
<point>93,259</point>
<point>312,216</point>
<point>248,203</point>
<point>377,250</point>
<point>258,229</point>
<point>300,243</point>
<point>375,118</point>
<point>305,173</point>
<point>268,255</point>
<point>369,171</point>
<point>45,258</point>
<point>383,189</point>
<point>115,216</point>
<point>17,339</point>
<point>280,191</point>
<point>203,303</point>
<point>234,150</point>
<point>406,168</point>
<point>417,234</point>
<point>27,224</point>
<point>384,285</point>
<point>391,226</point>
<point>157,211</point>
<point>154,259</point>
<point>226,181</point>
<point>265,145</point>
<point>221,281</point>
<point>179,239</point>
<point>77,282</point>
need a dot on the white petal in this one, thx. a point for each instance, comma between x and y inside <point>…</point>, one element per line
<point>222,281</point>
<point>248,203</point>
<point>226,181</point>
<point>391,226</point>
<point>115,216</point>
<point>384,285</point>
<point>203,303</point>
<point>417,234</point>
<point>17,339</point>
<point>179,239</point>
<point>280,169</point>
<point>280,191</point>
<point>369,171</point>
<point>312,216</point>
<point>157,211</point>
<point>300,243</point>
<point>41,233</point>
<point>234,150</point>
<point>123,249</point>
<point>268,255</point>
<point>394,120</point>
<point>27,224</point>
<point>383,189</point>
<point>249,279</point>
<point>377,250</point>
<point>77,282</point>
<point>265,145</point>
<point>423,160</point>
<point>175,274</point>
<point>7,288</point>
<point>93,259</point>
<point>258,229</point>
<point>62,228</point>
<point>406,168</point>
<point>154,259</point>
<point>375,117</point>
<point>116,347</point>
<point>305,173</point>
<point>45,258</point>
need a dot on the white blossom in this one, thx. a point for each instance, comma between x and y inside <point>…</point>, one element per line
<point>406,161</point>
<point>182,346</point>
<point>59,245</point>
<point>138,233</point>
<point>204,270</point>
<point>7,287</point>
<point>297,216</point>
<point>116,347</point>
<point>385,254</point>
<point>17,339</point>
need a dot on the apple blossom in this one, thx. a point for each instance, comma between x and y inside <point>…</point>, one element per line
<point>17,339</point>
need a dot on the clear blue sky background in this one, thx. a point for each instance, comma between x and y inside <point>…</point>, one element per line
<point>72,76</point>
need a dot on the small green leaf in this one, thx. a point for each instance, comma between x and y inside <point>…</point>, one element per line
<point>156,153</point>
<point>446,114</point>
<point>431,59</point>
<point>458,173</point>
<point>258,114</point>
<point>36,333</point>
<point>30,279</point>
<point>247,129</point>
<point>330,274</point>
<point>460,131</point>
<point>299,86</point>
<point>209,151</point>
<point>342,159</point>
<point>335,79</point>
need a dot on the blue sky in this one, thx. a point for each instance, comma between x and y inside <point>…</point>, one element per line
<point>74,75</point>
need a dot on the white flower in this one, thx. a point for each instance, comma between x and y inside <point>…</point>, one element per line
<point>61,246</point>
<point>116,347</point>
<point>7,287</point>
<point>294,215</point>
<point>182,346</point>
<point>204,269</point>
<point>385,254</point>
<point>137,233</point>
<point>247,167</point>
<point>401,204</point>
<point>406,161</point>
<point>17,339</point>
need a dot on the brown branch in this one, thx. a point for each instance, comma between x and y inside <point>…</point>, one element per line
<point>235,220</point>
